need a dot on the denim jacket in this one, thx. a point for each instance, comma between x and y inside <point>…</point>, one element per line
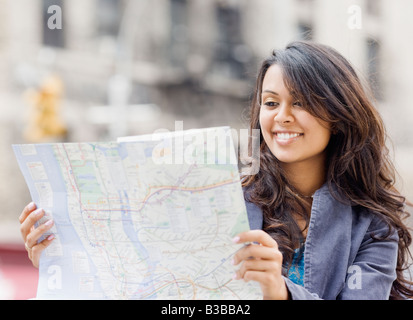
<point>341,258</point>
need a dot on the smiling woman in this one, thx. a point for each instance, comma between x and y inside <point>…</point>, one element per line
<point>324,196</point>
<point>290,132</point>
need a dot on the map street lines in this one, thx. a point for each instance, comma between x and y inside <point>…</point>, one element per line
<point>132,224</point>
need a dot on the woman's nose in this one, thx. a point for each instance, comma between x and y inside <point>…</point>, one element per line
<point>283,114</point>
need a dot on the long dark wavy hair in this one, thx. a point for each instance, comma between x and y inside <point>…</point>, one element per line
<point>358,166</point>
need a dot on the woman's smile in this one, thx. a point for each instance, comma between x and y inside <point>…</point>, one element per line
<point>287,138</point>
<point>290,131</point>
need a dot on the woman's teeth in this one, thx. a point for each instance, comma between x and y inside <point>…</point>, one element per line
<point>286,136</point>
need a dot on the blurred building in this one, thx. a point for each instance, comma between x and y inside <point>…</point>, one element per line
<point>195,60</point>
<point>131,67</point>
<point>195,57</point>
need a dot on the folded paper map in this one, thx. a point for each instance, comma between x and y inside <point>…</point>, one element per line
<point>149,217</point>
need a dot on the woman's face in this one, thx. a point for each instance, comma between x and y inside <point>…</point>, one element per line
<point>292,134</point>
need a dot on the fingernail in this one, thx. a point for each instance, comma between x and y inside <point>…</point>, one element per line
<point>38,211</point>
<point>51,237</point>
<point>236,239</point>
<point>32,206</point>
<point>235,276</point>
<point>49,222</point>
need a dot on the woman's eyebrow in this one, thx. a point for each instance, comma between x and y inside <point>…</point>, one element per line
<point>270,91</point>
<point>292,93</point>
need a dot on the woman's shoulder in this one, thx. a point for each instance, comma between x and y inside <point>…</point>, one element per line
<point>365,223</point>
<point>339,212</point>
<point>379,226</point>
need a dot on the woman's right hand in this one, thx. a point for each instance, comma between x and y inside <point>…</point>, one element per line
<point>29,216</point>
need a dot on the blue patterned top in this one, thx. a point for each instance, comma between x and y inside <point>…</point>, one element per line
<point>296,271</point>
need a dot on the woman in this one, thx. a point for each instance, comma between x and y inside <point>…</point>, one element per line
<point>324,194</point>
<point>326,220</point>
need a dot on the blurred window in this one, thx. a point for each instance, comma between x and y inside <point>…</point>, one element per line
<point>231,54</point>
<point>305,31</point>
<point>52,37</point>
<point>373,65</point>
<point>179,32</point>
<point>373,7</point>
<point>109,17</point>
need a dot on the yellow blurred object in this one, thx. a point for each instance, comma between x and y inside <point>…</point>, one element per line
<point>44,123</point>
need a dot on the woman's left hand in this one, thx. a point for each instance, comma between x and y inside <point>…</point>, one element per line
<point>261,262</point>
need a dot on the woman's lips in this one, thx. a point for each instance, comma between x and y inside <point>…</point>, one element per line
<point>286,138</point>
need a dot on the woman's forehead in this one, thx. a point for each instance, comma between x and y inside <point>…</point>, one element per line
<point>274,82</point>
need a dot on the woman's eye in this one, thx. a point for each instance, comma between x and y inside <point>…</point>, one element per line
<point>271,104</point>
<point>297,104</point>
